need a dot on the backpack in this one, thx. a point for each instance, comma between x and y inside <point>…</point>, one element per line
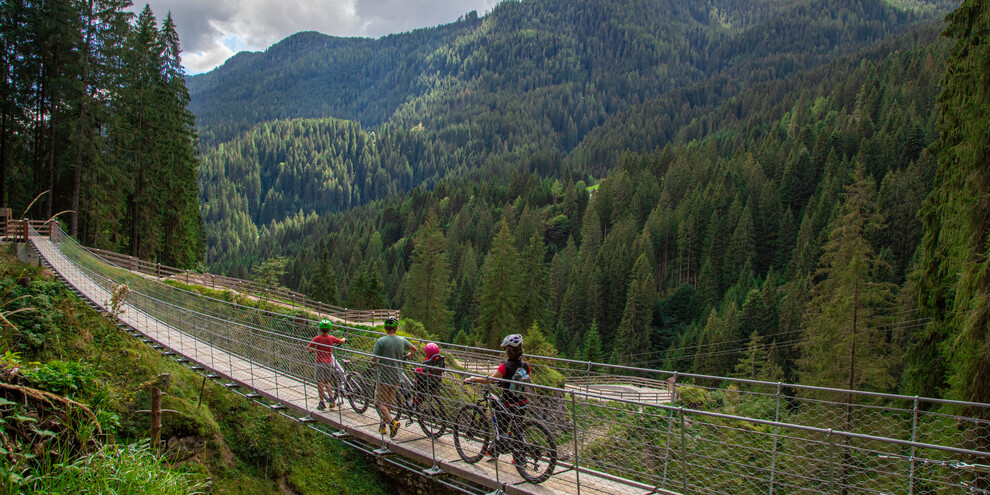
<point>433,370</point>
<point>522,382</point>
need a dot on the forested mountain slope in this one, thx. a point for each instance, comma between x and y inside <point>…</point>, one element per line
<point>519,89</point>
<point>697,246</point>
<point>747,218</point>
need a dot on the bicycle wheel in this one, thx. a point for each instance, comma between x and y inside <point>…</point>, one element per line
<point>357,394</point>
<point>534,451</point>
<point>472,432</point>
<point>432,417</point>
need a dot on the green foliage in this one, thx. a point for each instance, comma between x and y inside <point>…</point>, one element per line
<point>124,469</point>
<point>428,282</point>
<point>499,293</point>
<point>841,347</point>
<point>692,397</point>
<point>270,273</point>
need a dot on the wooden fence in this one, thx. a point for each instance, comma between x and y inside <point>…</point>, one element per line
<point>17,230</point>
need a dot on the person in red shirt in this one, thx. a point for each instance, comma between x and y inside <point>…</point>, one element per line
<point>326,370</point>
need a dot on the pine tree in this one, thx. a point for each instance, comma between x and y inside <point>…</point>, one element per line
<point>634,330</point>
<point>324,282</point>
<point>428,283</point>
<point>757,361</point>
<point>954,274</point>
<point>536,284</point>
<point>591,346</point>
<point>841,347</point>
<point>499,294</point>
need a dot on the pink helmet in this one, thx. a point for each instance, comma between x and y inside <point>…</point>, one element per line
<point>431,350</point>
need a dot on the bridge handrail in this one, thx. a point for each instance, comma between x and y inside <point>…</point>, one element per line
<point>302,342</point>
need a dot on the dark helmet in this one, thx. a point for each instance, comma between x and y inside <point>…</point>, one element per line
<point>391,322</point>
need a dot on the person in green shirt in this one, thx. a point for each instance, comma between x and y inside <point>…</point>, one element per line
<point>389,352</point>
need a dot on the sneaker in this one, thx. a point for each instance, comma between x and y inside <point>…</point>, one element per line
<point>332,404</point>
<point>395,429</point>
<point>382,429</point>
<point>321,407</point>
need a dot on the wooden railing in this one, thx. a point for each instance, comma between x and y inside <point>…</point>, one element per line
<point>277,295</point>
<point>17,230</point>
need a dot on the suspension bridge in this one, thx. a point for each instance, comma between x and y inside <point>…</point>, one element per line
<point>617,430</point>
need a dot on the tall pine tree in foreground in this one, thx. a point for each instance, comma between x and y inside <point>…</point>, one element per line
<point>499,293</point>
<point>954,268</point>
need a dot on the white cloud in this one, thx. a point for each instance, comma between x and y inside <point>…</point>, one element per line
<point>257,24</point>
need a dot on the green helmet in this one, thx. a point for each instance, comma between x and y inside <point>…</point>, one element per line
<point>391,321</point>
<point>325,324</point>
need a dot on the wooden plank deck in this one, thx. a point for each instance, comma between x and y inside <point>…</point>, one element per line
<point>300,397</point>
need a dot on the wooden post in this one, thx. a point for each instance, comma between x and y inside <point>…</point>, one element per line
<point>156,410</point>
<point>156,417</point>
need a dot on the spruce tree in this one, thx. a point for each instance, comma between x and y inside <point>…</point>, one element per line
<point>324,282</point>
<point>954,274</point>
<point>634,330</point>
<point>500,291</point>
<point>841,346</point>
<point>428,282</point>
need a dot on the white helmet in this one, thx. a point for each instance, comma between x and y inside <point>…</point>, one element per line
<point>514,340</point>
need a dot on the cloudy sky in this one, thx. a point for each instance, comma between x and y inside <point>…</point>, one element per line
<point>213,30</point>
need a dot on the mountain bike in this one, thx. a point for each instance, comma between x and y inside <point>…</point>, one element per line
<point>353,386</point>
<point>426,408</point>
<point>533,449</point>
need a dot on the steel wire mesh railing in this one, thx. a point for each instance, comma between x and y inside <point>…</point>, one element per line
<point>681,433</point>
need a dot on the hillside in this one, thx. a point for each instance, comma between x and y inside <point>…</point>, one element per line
<point>743,215</point>
<point>522,88</point>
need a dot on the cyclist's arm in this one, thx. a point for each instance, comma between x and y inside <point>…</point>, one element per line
<point>496,375</point>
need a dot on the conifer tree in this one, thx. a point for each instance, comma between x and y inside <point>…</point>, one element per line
<point>324,282</point>
<point>757,361</point>
<point>591,346</point>
<point>535,283</point>
<point>842,347</point>
<point>954,274</point>
<point>428,283</point>
<point>499,294</point>
<point>634,330</point>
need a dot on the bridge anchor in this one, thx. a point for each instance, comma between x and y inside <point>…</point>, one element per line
<point>433,472</point>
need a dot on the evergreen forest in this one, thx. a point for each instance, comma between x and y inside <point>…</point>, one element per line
<point>95,129</point>
<point>762,190</point>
